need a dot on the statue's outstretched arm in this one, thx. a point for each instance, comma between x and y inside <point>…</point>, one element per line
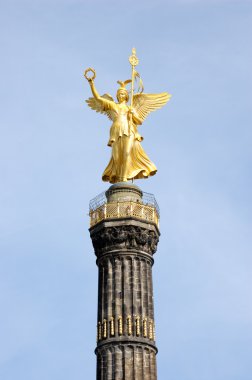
<point>105,101</point>
<point>94,91</point>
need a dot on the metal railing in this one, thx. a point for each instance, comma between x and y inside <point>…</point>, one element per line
<point>146,209</point>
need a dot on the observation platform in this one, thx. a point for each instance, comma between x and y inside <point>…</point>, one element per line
<point>124,200</point>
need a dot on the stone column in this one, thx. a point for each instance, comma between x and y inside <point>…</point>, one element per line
<point>124,241</point>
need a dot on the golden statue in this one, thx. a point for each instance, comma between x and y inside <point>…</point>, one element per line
<point>128,160</point>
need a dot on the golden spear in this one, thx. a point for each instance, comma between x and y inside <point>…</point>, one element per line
<point>134,62</point>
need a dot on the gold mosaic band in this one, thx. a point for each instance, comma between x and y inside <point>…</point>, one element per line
<point>135,326</point>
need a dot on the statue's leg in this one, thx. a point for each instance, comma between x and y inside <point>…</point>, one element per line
<point>116,159</point>
<point>127,143</point>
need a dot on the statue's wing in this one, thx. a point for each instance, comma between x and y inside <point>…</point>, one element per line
<point>146,103</point>
<point>98,106</point>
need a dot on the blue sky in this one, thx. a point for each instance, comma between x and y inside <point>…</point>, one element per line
<point>53,152</point>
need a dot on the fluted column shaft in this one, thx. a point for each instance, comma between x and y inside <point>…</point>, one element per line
<point>125,292</point>
<point>125,323</point>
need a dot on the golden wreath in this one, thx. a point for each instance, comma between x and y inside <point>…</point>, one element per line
<point>91,77</point>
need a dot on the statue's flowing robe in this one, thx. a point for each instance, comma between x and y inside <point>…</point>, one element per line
<point>128,159</point>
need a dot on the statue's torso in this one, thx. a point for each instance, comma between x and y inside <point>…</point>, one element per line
<point>120,126</point>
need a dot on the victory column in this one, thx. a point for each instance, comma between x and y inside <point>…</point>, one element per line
<point>124,228</point>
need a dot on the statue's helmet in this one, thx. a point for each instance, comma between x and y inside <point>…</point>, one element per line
<point>123,89</point>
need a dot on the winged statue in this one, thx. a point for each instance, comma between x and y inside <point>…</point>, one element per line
<point>128,159</point>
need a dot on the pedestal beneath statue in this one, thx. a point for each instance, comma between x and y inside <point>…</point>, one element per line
<point>124,232</point>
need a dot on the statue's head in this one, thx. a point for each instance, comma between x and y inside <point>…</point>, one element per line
<point>122,93</point>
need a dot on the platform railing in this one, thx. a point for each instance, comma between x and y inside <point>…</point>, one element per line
<point>147,212</point>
